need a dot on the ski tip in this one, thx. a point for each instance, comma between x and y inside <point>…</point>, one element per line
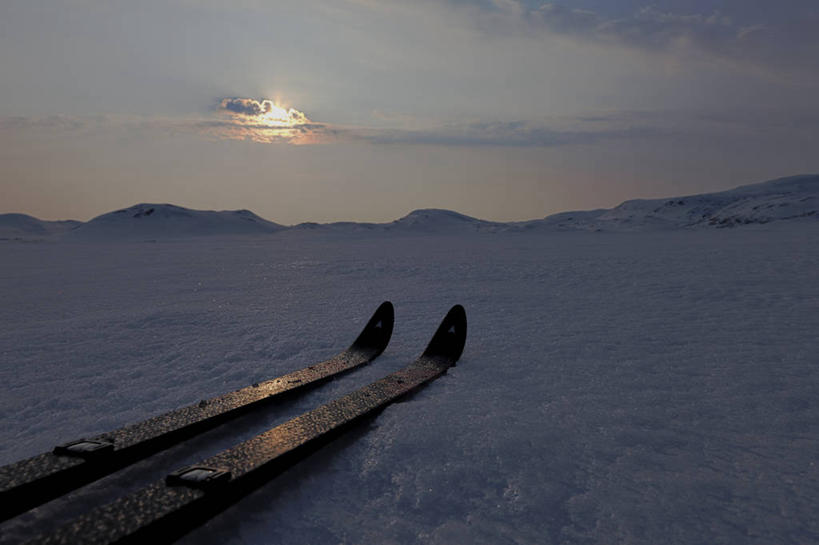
<point>376,334</point>
<point>450,338</point>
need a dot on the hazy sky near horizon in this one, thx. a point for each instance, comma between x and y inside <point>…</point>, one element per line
<point>322,110</point>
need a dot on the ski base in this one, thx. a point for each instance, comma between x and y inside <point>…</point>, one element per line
<point>34,481</point>
<point>166,510</point>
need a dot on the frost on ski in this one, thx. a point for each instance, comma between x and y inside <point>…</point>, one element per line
<point>615,387</point>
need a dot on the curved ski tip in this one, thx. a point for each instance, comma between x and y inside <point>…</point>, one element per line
<point>450,338</point>
<point>375,336</point>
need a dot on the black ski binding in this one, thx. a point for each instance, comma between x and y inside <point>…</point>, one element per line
<point>198,477</point>
<point>85,448</point>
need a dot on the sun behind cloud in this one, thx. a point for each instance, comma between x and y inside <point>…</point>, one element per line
<point>264,111</point>
<point>267,122</point>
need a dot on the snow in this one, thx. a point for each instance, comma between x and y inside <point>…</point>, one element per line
<point>429,220</point>
<point>791,198</point>
<point>436,220</point>
<point>795,198</point>
<point>23,226</point>
<point>653,387</point>
<point>146,221</point>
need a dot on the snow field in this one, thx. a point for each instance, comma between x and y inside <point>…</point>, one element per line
<point>615,388</point>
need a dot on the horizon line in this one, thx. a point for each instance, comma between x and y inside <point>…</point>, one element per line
<point>431,208</point>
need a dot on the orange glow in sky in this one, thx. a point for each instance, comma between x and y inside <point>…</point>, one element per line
<point>266,121</point>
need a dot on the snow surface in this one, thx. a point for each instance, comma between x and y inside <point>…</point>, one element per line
<point>647,388</point>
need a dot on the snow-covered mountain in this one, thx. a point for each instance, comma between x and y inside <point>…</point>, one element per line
<point>148,221</point>
<point>795,197</point>
<point>25,226</point>
<point>792,198</point>
<point>433,220</point>
<point>426,220</point>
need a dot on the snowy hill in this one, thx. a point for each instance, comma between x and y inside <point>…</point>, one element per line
<point>147,221</point>
<point>563,221</point>
<point>435,220</point>
<point>25,226</point>
<point>426,221</point>
<point>337,227</point>
<point>795,197</point>
<point>792,198</point>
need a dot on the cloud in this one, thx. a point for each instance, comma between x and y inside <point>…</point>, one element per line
<point>257,128</point>
<point>269,126</point>
<point>513,133</point>
<point>591,128</point>
<point>245,106</point>
<point>264,121</point>
<point>788,46</point>
<point>50,123</point>
<point>306,133</point>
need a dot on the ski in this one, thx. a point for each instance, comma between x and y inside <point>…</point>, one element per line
<point>34,481</point>
<point>167,509</point>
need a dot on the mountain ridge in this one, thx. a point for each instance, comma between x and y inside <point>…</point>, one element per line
<point>15,225</point>
<point>161,220</point>
<point>781,199</point>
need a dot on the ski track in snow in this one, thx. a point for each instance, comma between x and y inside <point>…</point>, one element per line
<point>615,388</point>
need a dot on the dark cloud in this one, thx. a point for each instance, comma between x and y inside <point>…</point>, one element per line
<point>246,106</point>
<point>788,45</point>
<point>652,28</point>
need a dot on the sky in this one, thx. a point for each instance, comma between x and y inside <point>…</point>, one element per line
<point>363,110</point>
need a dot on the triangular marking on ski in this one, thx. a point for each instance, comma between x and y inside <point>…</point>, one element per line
<point>378,325</point>
<point>451,330</point>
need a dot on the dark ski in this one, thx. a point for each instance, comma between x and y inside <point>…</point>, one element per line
<point>34,481</point>
<point>168,509</point>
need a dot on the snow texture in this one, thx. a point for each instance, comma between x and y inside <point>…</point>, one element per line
<point>646,388</point>
<point>654,386</point>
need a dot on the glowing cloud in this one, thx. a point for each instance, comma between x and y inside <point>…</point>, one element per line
<point>266,122</point>
<point>264,111</point>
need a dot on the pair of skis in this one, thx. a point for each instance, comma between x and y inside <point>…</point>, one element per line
<point>186,498</point>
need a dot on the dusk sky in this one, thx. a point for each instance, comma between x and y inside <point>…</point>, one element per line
<point>365,110</point>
